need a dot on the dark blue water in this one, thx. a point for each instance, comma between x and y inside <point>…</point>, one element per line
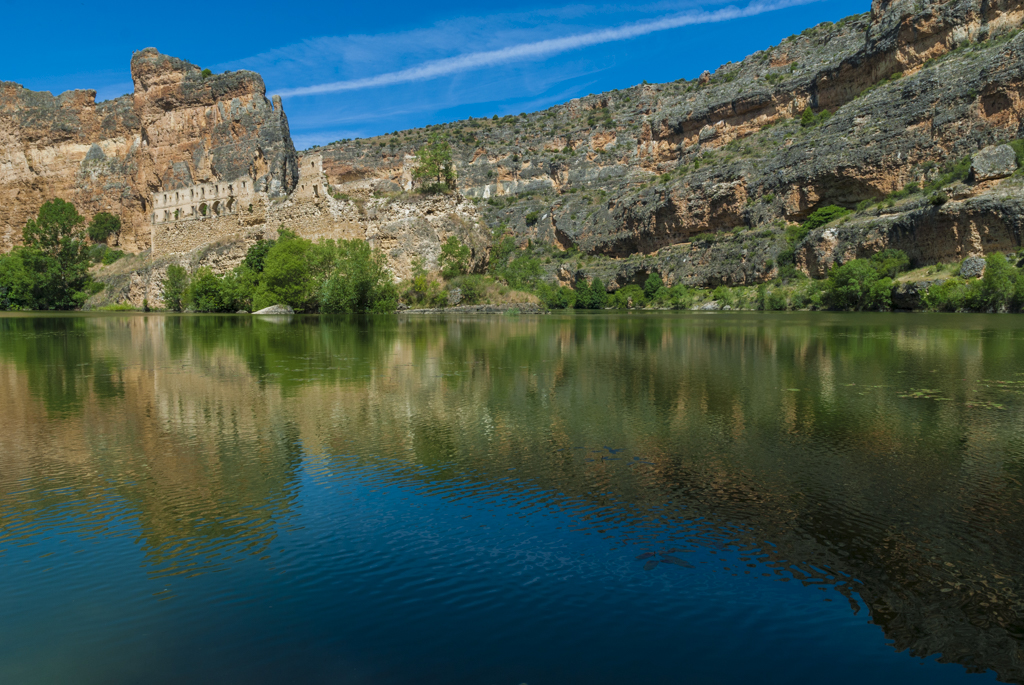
<point>602,499</point>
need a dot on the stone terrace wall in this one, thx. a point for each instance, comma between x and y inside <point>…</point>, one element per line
<point>312,218</point>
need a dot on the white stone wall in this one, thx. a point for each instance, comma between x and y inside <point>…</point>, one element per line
<point>203,200</point>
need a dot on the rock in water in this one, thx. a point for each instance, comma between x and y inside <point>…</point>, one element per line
<point>994,161</point>
<point>276,309</point>
<point>652,564</point>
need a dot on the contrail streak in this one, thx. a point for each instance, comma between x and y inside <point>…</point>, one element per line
<point>543,48</point>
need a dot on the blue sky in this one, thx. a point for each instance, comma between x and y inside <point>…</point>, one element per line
<point>351,70</point>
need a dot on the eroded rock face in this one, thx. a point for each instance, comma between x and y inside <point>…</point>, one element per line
<point>177,129</point>
<point>646,170</point>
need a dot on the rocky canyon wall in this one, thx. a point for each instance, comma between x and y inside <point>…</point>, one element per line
<point>176,130</point>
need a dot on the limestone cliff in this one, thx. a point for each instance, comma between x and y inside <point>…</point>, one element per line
<point>633,176</point>
<point>696,180</point>
<point>176,130</point>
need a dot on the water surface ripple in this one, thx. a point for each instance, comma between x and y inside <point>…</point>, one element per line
<point>539,499</point>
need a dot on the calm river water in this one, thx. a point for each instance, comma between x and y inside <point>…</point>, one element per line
<point>679,498</point>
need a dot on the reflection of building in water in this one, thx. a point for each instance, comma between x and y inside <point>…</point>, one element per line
<point>826,488</point>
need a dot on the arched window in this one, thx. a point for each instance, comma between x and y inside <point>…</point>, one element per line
<point>203,209</point>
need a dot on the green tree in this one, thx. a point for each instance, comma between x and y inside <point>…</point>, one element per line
<point>360,282</point>
<point>557,297</point>
<point>808,119</point>
<point>454,258</point>
<point>174,287</point>
<point>435,168</point>
<point>523,272</point>
<point>652,285</point>
<point>103,226</point>
<point>591,295</point>
<point>628,296</point>
<point>996,288</point>
<point>206,293</point>
<point>257,255</point>
<point>56,253</point>
<point>857,284</point>
<point>17,283</point>
<point>286,277</point>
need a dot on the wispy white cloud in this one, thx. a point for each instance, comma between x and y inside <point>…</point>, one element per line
<point>540,49</point>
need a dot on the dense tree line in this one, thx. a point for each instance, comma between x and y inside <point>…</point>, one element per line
<point>324,276</point>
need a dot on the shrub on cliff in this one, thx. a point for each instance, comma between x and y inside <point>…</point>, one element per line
<point>890,262</point>
<point>809,118</point>
<point>824,215</point>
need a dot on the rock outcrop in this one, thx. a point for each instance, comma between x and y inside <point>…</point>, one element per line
<point>178,129</point>
<point>652,170</point>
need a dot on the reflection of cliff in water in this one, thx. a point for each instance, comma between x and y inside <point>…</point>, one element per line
<point>785,439</point>
<point>203,461</point>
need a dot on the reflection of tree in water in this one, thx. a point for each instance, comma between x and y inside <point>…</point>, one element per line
<point>55,353</point>
<point>778,428</point>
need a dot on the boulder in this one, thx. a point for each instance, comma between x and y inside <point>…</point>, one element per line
<point>994,161</point>
<point>276,309</point>
<point>973,267</point>
<point>910,296</point>
<point>454,296</point>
